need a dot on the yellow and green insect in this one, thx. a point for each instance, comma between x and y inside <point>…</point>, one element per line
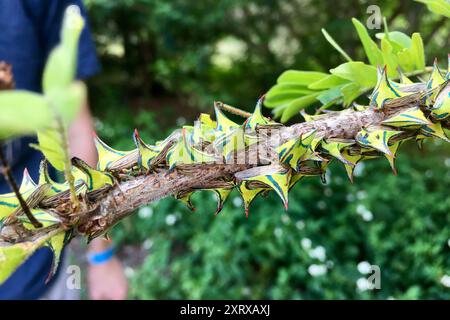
<point>94,179</point>
<point>376,138</point>
<point>410,118</point>
<point>111,159</point>
<point>9,202</point>
<point>185,153</point>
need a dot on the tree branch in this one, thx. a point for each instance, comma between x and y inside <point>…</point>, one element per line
<point>101,209</point>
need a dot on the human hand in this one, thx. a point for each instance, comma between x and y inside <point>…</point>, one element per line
<point>107,281</point>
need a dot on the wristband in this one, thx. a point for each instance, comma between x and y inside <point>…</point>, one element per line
<point>100,257</point>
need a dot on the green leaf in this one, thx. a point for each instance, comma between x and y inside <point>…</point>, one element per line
<point>51,145</point>
<point>296,105</point>
<point>61,64</point>
<point>300,77</point>
<point>359,72</point>
<point>58,72</point>
<point>336,45</point>
<point>390,59</point>
<point>441,7</point>
<point>406,60</point>
<point>283,93</point>
<point>418,52</point>
<point>67,102</point>
<point>328,82</point>
<point>22,113</point>
<point>373,53</point>
<point>350,92</point>
<point>399,40</point>
<point>329,95</point>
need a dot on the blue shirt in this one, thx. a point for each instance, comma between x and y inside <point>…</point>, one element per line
<point>29,31</point>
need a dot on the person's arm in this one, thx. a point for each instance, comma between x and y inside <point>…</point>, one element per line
<point>105,280</point>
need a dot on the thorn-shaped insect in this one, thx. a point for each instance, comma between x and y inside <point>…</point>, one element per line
<point>9,203</point>
<point>312,154</point>
<point>94,179</point>
<point>441,107</point>
<point>436,79</point>
<point>384,90</point>
<point>295,177</point>
<point>55,243</point>
<point>257,117</point>
<point>432,130</point>
<point>55,187</point>
<point>204,129</point>
<point>223,123</point>
<point>248,194</point>
<point>112,159</point>
<point>335,147</point>
<point>185,153</point>
<point>230,143</point>
<point>222,195</point>
<point>393,148</point>
<point>410,118</point>
<point>185,197</point>
<point>353,157</point>
<point>376,138</point>
<point>275,177</point>
<point>293,151</point>
<point>149,156</point>
<point>403,78</point>
<point>229,136</point>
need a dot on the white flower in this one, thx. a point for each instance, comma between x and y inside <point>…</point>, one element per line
<point>129,272</point>
<point>350,197</point>
<point>318,253</point>
<point>278,232</point>
<point>360,195</point>
<point>285,218</point>
<point>301,225</point>
<point>246,291</point>
<point>145,212</point>
<point>445,280</point>
<point>364,267</point>
<point>360,209</point>
<point>447,162</point>
<point>306,243</point>
<point>171,219</point>
<point>367,216</point>
<point>364,212</point>
<point>148,243</point>
<point>316,270</point>
<point>363,284</point>
<point>237,202</point>
<point>321,205</point>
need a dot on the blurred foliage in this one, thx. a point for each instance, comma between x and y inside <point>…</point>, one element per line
<point>164,61</point>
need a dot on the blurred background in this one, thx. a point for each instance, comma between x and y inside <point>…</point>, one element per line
<point>165,61</point>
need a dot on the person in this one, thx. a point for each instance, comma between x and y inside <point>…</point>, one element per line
<point>29,31</point>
